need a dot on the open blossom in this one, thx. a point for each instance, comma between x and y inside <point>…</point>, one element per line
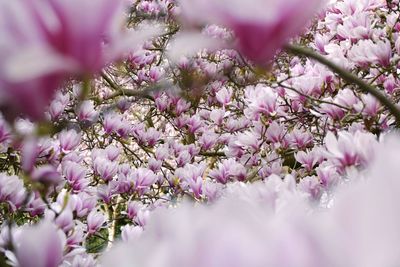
<point>105,168</point>
<point>94,221</point>
<point>261,26</point>
<point>86,112</point>
<point>224,96</point>
<point>75,175</point>
<point>229,169</point>
<point>12,190</point>
<point>261,100</point>
<point>50,251</point>
<point>350,149</point>
<point>142,179</point>
<point>69,140</point>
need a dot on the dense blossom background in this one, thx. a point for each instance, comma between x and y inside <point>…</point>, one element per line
<point>199,133</point>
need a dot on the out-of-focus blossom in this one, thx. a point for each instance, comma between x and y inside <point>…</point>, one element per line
<point>50,251</point>
<point>42,43</point>
<point>261,26</point>
<point>12,190</point>
<point>46,175</point>
<point>130,233</point>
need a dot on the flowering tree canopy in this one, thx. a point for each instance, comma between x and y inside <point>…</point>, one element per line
<point>176,133</point>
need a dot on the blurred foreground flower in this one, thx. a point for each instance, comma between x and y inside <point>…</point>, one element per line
<point>44,42</point>
<point>273,223</point>
<point>261,26</point>
<point>40,245</point>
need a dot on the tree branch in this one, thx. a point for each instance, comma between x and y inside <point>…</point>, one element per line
<point>348,77</point>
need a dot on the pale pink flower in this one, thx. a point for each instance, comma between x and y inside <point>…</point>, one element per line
<point>42,43</point>
<point>261,100</point>
<point>105,168</point>
<point>12,190</point>
<point>50,251</point>
<point>130,233</point>
<point>47,175</point>
<point>397,45</point>
<point>86,112</point>
<point>224,96</point>
<point>142,179</point>
<point>69,140</point>
<point>261,26</point>
<point>95,221</point>
<point>75,175</point>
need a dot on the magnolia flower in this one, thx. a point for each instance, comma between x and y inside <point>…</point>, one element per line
<point>50,251</point>
<point>44,42</point>
<point>86,112</point>
<point>12,190</point>
<point>130,233</point>
<point>105,168</point>
<point>142,179</point>
<point>46,175</point>
<point>95,220</point>
<point>75,175</point>
<point>261,26</point>
<point>261,100</point>
<point>69,140</point>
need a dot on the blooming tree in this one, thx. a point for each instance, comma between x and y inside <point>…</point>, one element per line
<point>199,133</point>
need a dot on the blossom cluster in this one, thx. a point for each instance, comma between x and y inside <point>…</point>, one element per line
<point>188,133</point>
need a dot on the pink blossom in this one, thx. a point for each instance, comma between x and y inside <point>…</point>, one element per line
<point>397,45</point>
<point>69,140</point>
<point>47,175</point>
<point>12,190</point>
<point>95,221</point>
<point>64,40</point>
<point>229,169</point>
<point>112,152</point>
<point>300,139</point>
<point>142,217</point>
<point>75,175</point>
<point>105,168</point>
<point>142,179</point>
<point>371,106</point>
<point>261,26</point>
<point>333,111</point>
<point>261,100</point>
<point>307,159</point>
<point>224,96</point>
<point>274,132</point>
<point>86,112</point>
<point>65,220</point>
<point>311,186</point>
<point>133,209</point>
<point>56,109</point>
<point>49,253</point>
<point>85,203</point>
<point>130,233</point>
